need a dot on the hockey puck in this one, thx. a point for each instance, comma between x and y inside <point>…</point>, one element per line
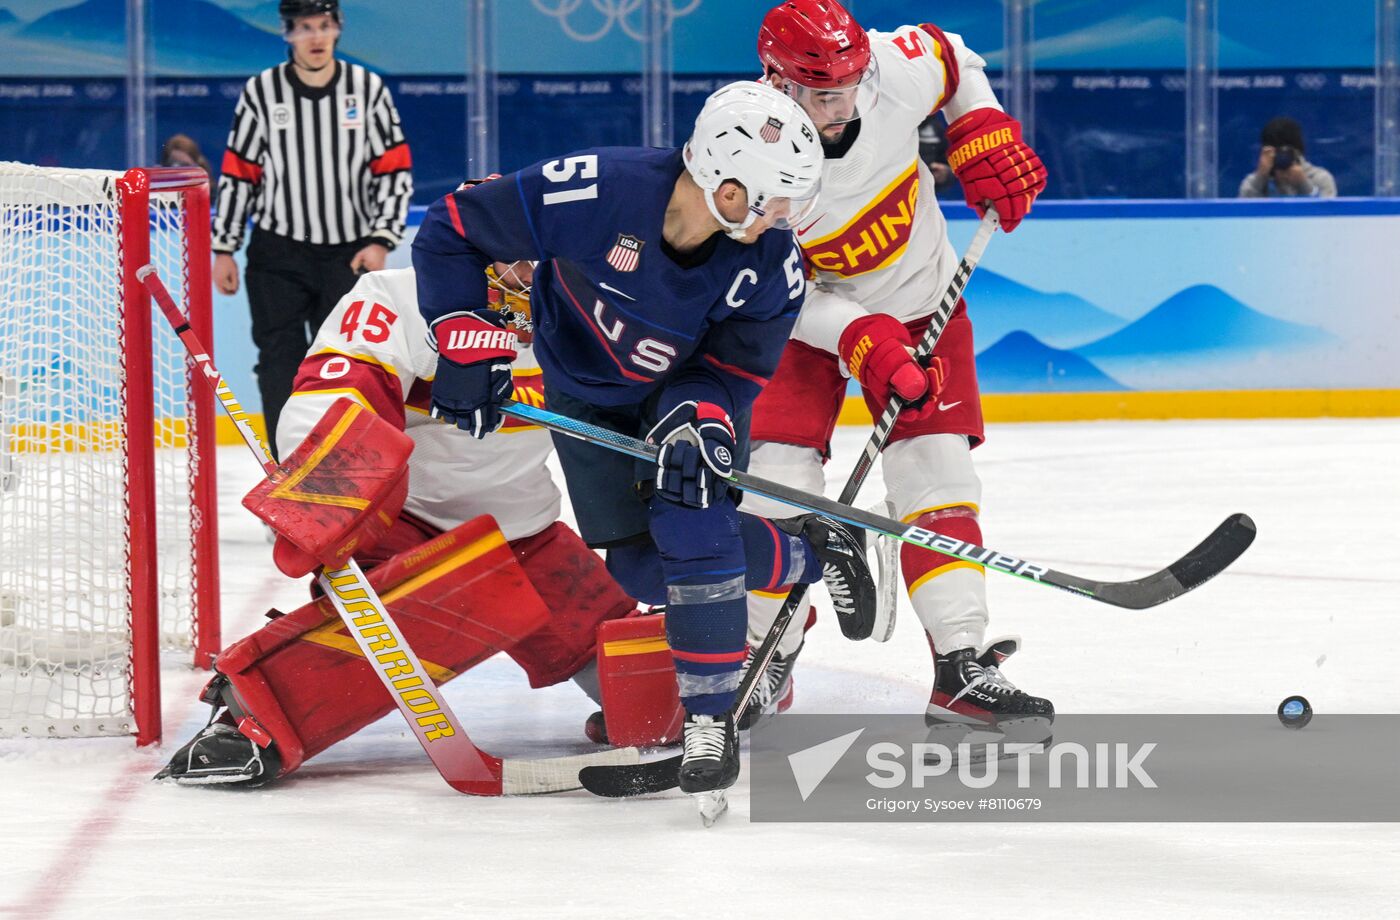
<point>1295,712</point>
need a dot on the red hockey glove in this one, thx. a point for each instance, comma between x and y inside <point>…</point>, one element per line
<point>876,349</point>
<point>338,493</point>
<point>993,164</point>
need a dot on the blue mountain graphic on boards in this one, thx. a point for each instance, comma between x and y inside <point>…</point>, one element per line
<point>1021,363</point>
<point>999,306</point>
<point>1198,320</point>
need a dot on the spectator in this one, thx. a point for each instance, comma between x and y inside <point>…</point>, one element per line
<point>933,150</point>
<point>181,150</point>
<point>1283,171</point>
<point>317,157</point>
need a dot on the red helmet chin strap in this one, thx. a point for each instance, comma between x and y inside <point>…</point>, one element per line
<point>816,43</point>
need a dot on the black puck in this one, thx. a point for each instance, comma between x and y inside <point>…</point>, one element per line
<point>1295,712</point>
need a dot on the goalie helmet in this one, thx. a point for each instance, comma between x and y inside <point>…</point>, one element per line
<point>761,138</point>
<point>823,57</point>
<point>508,292</point>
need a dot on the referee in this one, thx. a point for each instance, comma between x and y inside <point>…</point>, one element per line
<point>317,157</point>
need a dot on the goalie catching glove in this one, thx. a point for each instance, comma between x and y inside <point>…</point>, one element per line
<point>877,350</point>
<point>696,456</point>
<point>338,493</point>
<point>994,165</point>
<point>473,378</point>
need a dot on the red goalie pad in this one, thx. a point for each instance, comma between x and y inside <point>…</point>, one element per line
<point>458,599</point>
<point>637,676</point>
<point>340,491</point>
<point>575,584</point>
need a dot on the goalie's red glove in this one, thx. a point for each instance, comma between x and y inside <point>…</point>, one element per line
<point>877,351</point>
<point>994,165</point>
<point>338,493</point>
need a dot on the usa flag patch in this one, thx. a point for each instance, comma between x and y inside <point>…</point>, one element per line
<point>772,131</point>
<point>626,253</point>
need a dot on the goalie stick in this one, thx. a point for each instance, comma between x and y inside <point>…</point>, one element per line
<point>1209,558</point>
<point>464,766</point>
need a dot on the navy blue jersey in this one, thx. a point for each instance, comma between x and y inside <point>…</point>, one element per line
<point>615,311</point>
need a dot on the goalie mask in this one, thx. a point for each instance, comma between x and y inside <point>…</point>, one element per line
<point>757,136</point>
<point>508,292</point>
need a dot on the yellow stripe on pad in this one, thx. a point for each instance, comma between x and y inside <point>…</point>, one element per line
<point>944,569</point>
<point>333,635</point>
<point>287,490</point>
<point>343,643</point>
<point>641,646</point>
<point>776,595</point>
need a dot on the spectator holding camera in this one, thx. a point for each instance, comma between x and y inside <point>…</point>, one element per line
<point>1283,171</point>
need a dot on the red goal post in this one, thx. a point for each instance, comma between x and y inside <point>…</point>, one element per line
<point>108,503</point>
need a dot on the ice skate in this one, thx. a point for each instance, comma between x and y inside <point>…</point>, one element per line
<point>969,689</point>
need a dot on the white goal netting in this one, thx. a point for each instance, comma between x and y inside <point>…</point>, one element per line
<point>66,544</point>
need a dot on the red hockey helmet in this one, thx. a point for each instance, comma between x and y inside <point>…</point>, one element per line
<point>823,57</point>
<point>813,42</point>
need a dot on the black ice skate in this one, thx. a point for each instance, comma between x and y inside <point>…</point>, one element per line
<point>845,571</point>
<point>969,689</point>
<point>773,693</point>
<point>709,762</point>
<point>220,753</point>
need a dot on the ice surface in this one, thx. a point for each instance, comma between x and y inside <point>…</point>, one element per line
<point>368,829</point>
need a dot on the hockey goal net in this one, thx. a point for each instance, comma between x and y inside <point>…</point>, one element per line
<point>108,540</point>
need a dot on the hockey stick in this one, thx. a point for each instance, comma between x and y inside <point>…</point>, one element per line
<point>660,775</point>
<point>1210,558</point>
<point>464,766</point>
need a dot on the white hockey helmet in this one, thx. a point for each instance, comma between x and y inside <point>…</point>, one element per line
<point>762,138</point>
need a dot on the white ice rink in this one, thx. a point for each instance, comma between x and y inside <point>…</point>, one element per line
<point>369,829</point>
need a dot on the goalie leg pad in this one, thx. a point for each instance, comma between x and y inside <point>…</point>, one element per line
<point>580,594</point>
<point>458,599</point>
<point>637,678</point>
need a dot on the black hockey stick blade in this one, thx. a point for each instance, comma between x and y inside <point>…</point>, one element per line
<point>626,780</point>
<point>1211,557</point>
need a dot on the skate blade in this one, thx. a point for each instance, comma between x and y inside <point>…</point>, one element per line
<point>712,805</point>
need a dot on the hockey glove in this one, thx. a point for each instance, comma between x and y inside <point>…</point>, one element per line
<point>473,370</point>
<point>697,453</point>
<point>994,165</point>
<point>878,352</point>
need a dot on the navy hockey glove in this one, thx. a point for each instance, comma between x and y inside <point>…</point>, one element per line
<point>697,453</point>
<point>473,370</point>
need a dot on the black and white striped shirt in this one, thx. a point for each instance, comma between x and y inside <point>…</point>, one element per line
<point>324,165</point>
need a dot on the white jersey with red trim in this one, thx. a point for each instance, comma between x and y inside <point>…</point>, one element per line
<point>879,243</point>
<point>374,349</point>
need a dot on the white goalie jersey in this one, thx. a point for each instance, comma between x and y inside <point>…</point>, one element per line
<point>879,243</point>
<point>373,348</point>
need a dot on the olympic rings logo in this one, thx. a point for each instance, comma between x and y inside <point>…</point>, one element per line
<point>607,13</point>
